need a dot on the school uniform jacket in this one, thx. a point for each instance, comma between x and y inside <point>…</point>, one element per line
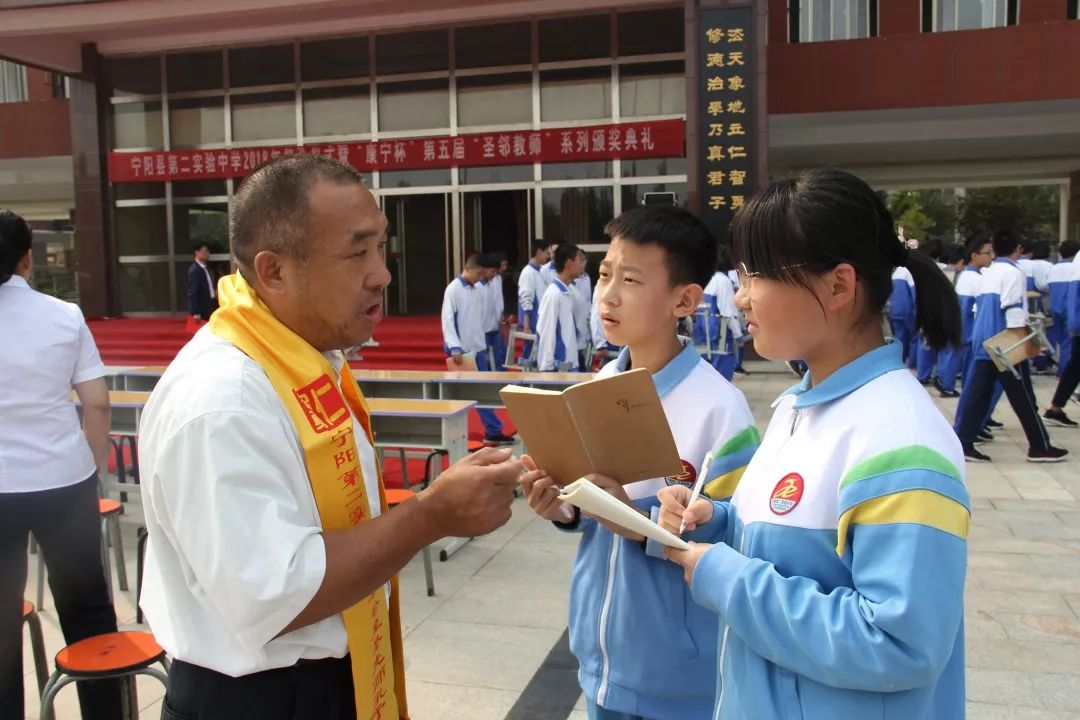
<point>1001,304</point>
<point>463,317</point>
<point>838,573</point>
<point>555,329</point>
<point>644,647</point>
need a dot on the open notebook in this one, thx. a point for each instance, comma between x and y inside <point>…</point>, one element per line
<point>595,501</point>
<point>614,426</point>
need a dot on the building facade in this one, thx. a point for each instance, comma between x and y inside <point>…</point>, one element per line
<point>483,126</point>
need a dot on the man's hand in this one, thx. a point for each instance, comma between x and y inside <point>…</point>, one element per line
<point>473,496</point>
<point>687,558</point>
<point>617,491</point>
<point>458,358</point>
<point>542,493</point>
<point>197,317</point>
<point>673,510</point>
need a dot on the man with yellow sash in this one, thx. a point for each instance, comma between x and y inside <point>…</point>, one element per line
<point>271,558</point>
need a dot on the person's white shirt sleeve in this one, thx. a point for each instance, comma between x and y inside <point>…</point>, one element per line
<point>449,313</point>
<point>527,288</point>
<point>568,327</point>
<point>230,511</point>
<point>546,324</point>
<point>497,293</point>
<point>1014,300</point>
<point>88,365</point>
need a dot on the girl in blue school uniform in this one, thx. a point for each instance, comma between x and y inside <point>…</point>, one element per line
<point>837,568</point>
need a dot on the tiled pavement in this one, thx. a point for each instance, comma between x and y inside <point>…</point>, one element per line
<point>501,602</point>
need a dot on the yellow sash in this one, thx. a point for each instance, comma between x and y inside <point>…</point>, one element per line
<point>319,408</point>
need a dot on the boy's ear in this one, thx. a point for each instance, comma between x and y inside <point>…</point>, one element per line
<point>687,299</point>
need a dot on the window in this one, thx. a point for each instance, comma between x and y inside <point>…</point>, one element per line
<point>418,105</point>
<point>1073,10</point>
<point>652,89</point>
<point>488,174</point>
<point>270,65</point>
<point>821,20</point>
<point>653,167</point>
<point>577,215</point>
<point>144,287</point>
<point>141,231</point>
<point>595,170</point>
<point>190,72</point>
<point>580,94</point>
<point>415,178</point>
<point>650,32</point>
<point>575,38</point>
<point>947,15</point>
<point>264,116</point>
<point>494,100</point>
<point>337,111</point>
<point>194,225</point>
<point>135,76</point>
<point>12,82</point>
<point>137,125</point>
<point>335,59</point>
<point>412,52</point>
<point>493,45</point>
<point>196,121</point>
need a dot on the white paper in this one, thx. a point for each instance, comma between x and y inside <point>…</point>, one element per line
<point>595,501</point>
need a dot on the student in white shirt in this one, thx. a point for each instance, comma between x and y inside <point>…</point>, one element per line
<point>245,587</point>
<point>582,289</point>
<point>495,264</point>
<point>464,315</point>
<point>530,289</point>
<point>48,469</point>
<point>548,272</point>
<point>556,328</point>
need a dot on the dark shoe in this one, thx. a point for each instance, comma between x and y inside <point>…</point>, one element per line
<point>922,382</point>
<point>741,370</point>
<point>948,393</point>
<point>499,439</point>
<point>992,423</point>
<point>1049,455</point>
<point>983,436</point>
<point>1058,418</point>
<point>973,455</point>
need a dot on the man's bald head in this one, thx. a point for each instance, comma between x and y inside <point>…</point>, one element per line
<point>271,210</point>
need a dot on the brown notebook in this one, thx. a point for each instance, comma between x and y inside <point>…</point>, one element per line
<point>614,426</point>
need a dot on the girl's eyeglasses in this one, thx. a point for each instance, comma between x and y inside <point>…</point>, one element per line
<point>746,278</point>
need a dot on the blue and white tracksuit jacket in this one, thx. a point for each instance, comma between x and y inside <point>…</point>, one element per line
<point>644,647</point>
<point>838,576</point>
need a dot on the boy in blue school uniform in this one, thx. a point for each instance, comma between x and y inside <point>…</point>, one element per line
<point>645,649</point>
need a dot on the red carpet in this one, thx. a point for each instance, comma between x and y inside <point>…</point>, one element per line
<point>405,343</point>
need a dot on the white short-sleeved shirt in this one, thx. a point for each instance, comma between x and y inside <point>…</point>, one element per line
<point>47,349</point>
<point>235,550</point>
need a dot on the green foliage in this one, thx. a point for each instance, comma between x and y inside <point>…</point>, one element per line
<point>1031,210</point>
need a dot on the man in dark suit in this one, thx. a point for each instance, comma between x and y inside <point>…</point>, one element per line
<point>201,286</point>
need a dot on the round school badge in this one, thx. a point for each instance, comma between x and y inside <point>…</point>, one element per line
<point>787,494</point>
<point>686,478</point>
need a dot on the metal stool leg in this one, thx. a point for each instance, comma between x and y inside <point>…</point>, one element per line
<point>118,549</point>
<point>40,580</point>
<point>37,646</point>
<point>57,681</point>
<point>106,565</point>
<point>140,554</point>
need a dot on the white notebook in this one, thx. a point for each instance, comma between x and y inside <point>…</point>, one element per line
<point>595,501</point>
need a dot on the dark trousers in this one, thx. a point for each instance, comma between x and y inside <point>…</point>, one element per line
<point>1070,374</point>
<point>67,527</point>
<point>975,400</point>
<point>320,689</point>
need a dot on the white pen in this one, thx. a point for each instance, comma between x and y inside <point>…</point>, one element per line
<point>702,474</point>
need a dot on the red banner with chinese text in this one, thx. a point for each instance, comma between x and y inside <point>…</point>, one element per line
<point>661,138</point>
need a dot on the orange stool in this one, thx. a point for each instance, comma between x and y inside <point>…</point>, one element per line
<point>110,511</point>
<point>121,655</point>
<point>397,496</point>
<point>37,644</point>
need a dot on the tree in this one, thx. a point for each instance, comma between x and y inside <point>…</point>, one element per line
<point>1031,210</point>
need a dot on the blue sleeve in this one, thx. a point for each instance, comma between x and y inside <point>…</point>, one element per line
<point>1072,312</point>
<point>894,629</point>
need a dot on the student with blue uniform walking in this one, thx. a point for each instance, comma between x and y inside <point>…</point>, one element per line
<point>1060,274</point>
<point>955,361</point>
<point>837,572</point>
